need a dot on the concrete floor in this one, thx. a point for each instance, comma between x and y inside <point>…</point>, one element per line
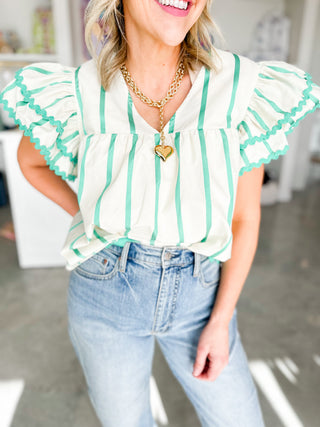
<point>278,315</point>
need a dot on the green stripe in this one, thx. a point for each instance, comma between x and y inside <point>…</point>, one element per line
<point>206,179</point>
<point>130,115</point>
<point>246,128</point>
<point>21,103</point>
<point>10,87</point>
<point>265,142</point>
<point>211,257</point>
<point>172,123</point>
<point>39,70</point>
<point>157,188</point>
<point>204,98</point>
<point>76,76</point>
<point>57,157</point>
<point>234,89</point>
<point>263,76</point>
<point>130,167</point>
<point>204,153</point>
<point>284,70</point>
<point>73,114</point>
<point>82,170</point>
<point>57,100</point>
<point>177,194</point>
<point>229,172</point>
<point>259,119</point>
<point>40,89</point>
<point>108,180</point>
<point>69,138</point>
<point>129,185</point>
<point>76,225</point>
<point>273,104</point>
<point>102,110</point>
<point>40,123</point>
<point>76,251</point>
<point>314,99</point>
<point>43,71</point>
<point>244,156</point>
<point>97,235</point>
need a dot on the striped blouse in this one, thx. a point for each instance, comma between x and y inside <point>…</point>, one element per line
<point>232,120</point>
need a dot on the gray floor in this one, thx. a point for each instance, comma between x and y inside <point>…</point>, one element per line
<point>278,314</point>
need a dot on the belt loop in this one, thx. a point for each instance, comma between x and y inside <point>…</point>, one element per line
<point>196,266</point>
<point>124,256</point>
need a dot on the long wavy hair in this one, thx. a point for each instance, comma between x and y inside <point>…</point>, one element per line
<point>105,20</point>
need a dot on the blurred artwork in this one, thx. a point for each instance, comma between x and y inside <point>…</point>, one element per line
<point>96,36</point>
<point>271,37</point>
<point>9,41</point>
<point>43,31</point>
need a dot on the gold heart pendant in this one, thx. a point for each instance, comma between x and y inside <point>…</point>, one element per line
<point>163,151</point>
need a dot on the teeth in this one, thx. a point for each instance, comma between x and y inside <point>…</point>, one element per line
<point>179,4</point>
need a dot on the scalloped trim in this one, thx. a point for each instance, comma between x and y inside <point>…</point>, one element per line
<point>43,149</point>
<point>266,160</point>
<point>43,113</point>
<point>289,116</point>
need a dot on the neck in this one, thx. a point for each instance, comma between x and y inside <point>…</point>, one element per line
<point>152,64</point>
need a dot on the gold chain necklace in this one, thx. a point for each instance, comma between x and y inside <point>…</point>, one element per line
<point>163,151</point>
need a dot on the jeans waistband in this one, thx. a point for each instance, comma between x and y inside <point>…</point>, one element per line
<point>165,256</point>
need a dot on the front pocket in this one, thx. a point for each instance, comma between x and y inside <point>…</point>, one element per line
<point>100,266</point>
<point>209,273</point>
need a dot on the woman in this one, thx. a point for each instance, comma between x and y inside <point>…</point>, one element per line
<point>166,218</point>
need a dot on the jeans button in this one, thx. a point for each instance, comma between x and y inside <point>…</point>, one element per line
<point>168,255</point>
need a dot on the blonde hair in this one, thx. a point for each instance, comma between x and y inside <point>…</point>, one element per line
<point>105,20</point>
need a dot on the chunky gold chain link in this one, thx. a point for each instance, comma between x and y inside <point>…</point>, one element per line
<point>159,104</point>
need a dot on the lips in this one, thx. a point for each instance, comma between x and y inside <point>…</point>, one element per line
<point>175,7</point>
<point>179,4</point>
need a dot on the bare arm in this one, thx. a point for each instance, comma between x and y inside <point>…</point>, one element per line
<point>35,169</point>
<point>213,346</point>
<point>245,228</point>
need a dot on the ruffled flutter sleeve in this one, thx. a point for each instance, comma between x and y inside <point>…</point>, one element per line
<point>283,95</point>
<point>42,101</point>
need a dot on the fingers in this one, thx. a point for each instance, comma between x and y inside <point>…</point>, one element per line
<point>200,361</point>
<point>213,368</point>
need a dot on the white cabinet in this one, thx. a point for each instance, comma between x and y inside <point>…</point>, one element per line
<point>40,224</point>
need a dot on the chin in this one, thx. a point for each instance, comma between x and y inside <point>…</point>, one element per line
<point>173,39</point>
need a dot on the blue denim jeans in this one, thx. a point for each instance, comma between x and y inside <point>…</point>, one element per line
<point>119,301</point>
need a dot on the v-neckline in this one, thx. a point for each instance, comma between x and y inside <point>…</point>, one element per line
<point>178,110</point>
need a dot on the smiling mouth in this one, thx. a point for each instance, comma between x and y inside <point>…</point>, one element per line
<point>178,4</point>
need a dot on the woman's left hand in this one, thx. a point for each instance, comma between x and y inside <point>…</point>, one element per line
<point>212,352</point>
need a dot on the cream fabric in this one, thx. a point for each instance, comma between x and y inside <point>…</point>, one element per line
<point>230,122</point>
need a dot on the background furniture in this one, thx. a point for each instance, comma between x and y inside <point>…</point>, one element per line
<point>40,225</point>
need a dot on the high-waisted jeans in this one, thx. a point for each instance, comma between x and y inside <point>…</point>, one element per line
<point>119,301</point>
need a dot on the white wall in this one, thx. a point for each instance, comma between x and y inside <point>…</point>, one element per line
<point>76,28</point>
<point>315,65</point>
<point>237,19</point>
<point>294,10</point>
